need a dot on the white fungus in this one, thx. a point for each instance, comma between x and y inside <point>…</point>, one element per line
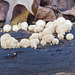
<point>60,36</point>
<point>40,23</point>
<point>15,28</point>
<point>38,29</point>
<point>23,25</point>
<point>40,35</point>
<point>55,41</point>
<point>34,43</point>
<point>43,43</point>
<point>31,27</point>
<point>69,36</point>
<point>9,42</point>
<point>46,31</point>
<point>7,28</point>
<point>48,38</point>
<point>24,43</point>
<point>34,36</point>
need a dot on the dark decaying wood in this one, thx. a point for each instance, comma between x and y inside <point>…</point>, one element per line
<point>47,60</point>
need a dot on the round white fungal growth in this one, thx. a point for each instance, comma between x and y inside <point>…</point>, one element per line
<point>12,43</point>
<point>40,35</point>
<point>60,29</point>
<point>38,29</point>
<point>7,28</point>
<point>34,43</point>
<point>41,23</point>
<point>69,36</point>
<point>43,43</point>
<point>61,19</point>
<point>60,36</point>
<point>48,38</point>
<point>15,28</point>
<point>55,41</point>
<point>24,25</point>
<point>46,31</point>
<point>49,24</point>
<point>5,37</point>
<point>31,27</point>
<point>34,36</point>
<point>8,42</point>
<point>24,43</point>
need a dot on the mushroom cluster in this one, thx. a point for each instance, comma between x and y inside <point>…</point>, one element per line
<point>42,33</point>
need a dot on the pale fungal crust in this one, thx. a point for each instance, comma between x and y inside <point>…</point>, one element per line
<point>40,23</point>
<point>15,28</point>
<point>43,43</point>
<point>34,36</point>
<point>48,38</point>
<point>69,36</point>
<point>23,25</point>
<point>38,29</point>
<point>60,36</point>
<point>7,28</point>
<point>9,42</point>
<point>31,27</point>
<point>24,43</point>
<point>34,43</point>
<point>55,41</point>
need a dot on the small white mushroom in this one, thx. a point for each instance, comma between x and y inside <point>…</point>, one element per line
<point>24,43</point>
<point>69,36</point>
<point>7,28</point>
<point>23,25</point>
<point>15,28</point>
<point>8,42</point>
<point>60,36</point>
<point>43,43</point>
<point>46,31</point>
<point>34,43</point>
<point>31,27</point>
<point>34,36</point>
<point>55,41</point>
<point>38,29</point>
<point>41,23</point>
<point>48,38</point>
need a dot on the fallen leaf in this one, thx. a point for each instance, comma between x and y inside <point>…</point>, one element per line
<point>21,18</point>
<point>13,3</point>
<point>69,12</point>
<point>45,14</point>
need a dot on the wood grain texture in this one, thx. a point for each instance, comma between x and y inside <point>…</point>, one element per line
<point>47,60</point>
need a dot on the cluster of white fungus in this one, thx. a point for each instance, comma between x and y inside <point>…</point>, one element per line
<point>42,33</point>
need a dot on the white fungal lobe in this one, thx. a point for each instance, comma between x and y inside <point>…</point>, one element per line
<point>34,36</point>
<point>55,41</point>
<point>69,36</point>
<point>24,43</point>
<point>48,38</point>
<point>40,23</point>
<point>60,36</point>
<point>23,25</point>
<point>7,28</point>
<point>43,43</point>
<point>38,29</point>
<point>31,27</point>
<point>15,28</point>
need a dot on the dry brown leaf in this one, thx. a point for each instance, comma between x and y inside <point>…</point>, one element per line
<point>45,14</point>
<point>13,3</point>
<point>21,18</point>
<point>69,12</point>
